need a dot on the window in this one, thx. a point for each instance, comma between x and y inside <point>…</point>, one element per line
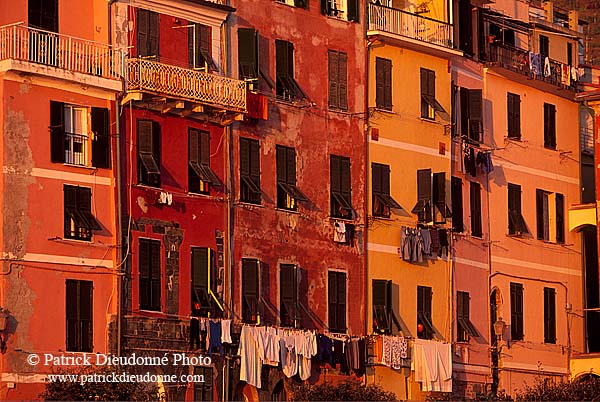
<point>570,54</point>
<point>249,171</point>
<point>383,83</point>
<point>203,390</point>
<point>78,219</point>
<point>423,207</point>
<point>286,86</point>
<point>516,223</point>
<point>341,191</point>
<point>337,301</point>
<point>79,315</point>
<point>549,126</point>
<point>149,267</point>
<point>516,311</point>
<point>465,26</point>
<point>514,116</point>
<point>544,46</point>
<point>295,3</point>
<point>549,315</point>
<point>43,14</point>
<point>382,306</point>
<point>429,105</point>
<point>148,34</point>
<point>475,193</point>
<point>288,295</point>
<point>560,217</point>
<point>543,214</point>
<point>338,80</point>
<point>248,53</point>
<point>200,175</point>
<point>424,323</point>
<point>250,290</point>
<point>471,113</point>
<point>382,201</point>
<point>465,328</point>
<point>203,279</point>
<point>457,205</point>
<point>69,140</point>
<point>288,194</point>
<point>200,48</point>
<point>343,9</point>
<point>441,211</point>
<point>148,152</point>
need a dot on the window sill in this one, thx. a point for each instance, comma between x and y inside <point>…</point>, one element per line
<point>341,19</point>
<point>249,204</point>
<point>381,217</point>
<point>428,120</point>
<point>80,166</point>
<point>290,211</point>
<point>515,139</point>
<point>297,103</point>
<point>382,110</point>
<point>79,241</point>
<point>334,219</point>
<point>332,109</point>
<point>283,3</point>
<point>147,186</point>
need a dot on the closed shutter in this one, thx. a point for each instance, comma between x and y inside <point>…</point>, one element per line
<point>193,147</point>
<point>387,89</point>
<point>516,310</point>
<point>385,179</point>
<point>244,157</point>
<point>539,209</point>
<point>439,191</point>
<point>143,28</point>
<point>248,52</point>
<point>333,301</point>
<point>560,218</point>
<point>86,315</point>
<point>204,148</point>
<point>57,132</point>
<point>475,194</point>
<point>145,137</point>
<point>72,315</point>
<point>288,291</point>
<point>334,171</point>
<point>345,178</point>
<point>341,301</point>
<point>376,178</point>
<point>514,116</point>
<point>101,142</point>
<point>255,162</point>
<point>549,315</point>
<point>153,35</point>
<point>291,166</point>
<point>464,111</point>
<point>343,81</point>
<point>334,100</point>
<point>353,10</point>
<point>457,205</point>
<point>424,184</point>
<point>549,126</point>
<point>144,268</point>
<point>281,156</point>
<point>155,275</point>
<point>281,55</point>
<point>379,82</point>
<point>475,114</point>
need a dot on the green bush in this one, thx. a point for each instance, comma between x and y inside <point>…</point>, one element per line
<point>345,391</point>
<point>546,389</point>
<point>97,391</point>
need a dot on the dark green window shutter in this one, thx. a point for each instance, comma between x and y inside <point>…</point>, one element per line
<point>383,83</point>
<point>333,65</point>
<point>101,142</point>
<point>86,315</point>
<point>354,10</point>
<point>516,311</point>
<point>475,198</point>
<point>144,269</point>
<point>155,275</point>
<point>72,315</point>
<point>457,205</point>
<point>153,35</point>
<point>57,132</point>
<point>143,28</point>
<point>549,315</point>
<point>560,218</point>
<point>248,52</point>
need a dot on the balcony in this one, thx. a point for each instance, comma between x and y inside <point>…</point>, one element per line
<point>517,60</point>
<point>60,56</point>
<point>183,90</point>
<point>409,28</point>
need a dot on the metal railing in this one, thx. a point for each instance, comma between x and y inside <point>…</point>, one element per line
<point>414,26</point>
<point>150,76</point>
<point>22,43</point>
<point>76,149</point>
<point>586,137</point>
<point>517,59</point>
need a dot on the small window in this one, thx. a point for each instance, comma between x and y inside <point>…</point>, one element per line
<point>383,83</point>
<point>148,34</point>
<point>542,214</point>
<point>341,191</point>
<point>516,311</point>
<point>338,80</point>
<point>429,105</point>
<point>544,46</point>
<point>288,194</point>
<point>200,48</point>
<point>79,316</point>
<point>382,201</point>
<point>465,328</point>
<point>343,9</point>
<point>250,290</point>
<point>200,175</point>
<point>250,171</point>
<point>337,301</point>
<point>549,315</point>
<point>423,207</point>
<point>549,126</point>
<point>148,144</point>
<point>382,306</point>
<point>286,86</point>
<point>149,268</point>
<point>471,114</point>
<point>288,295</point>
<point>204,281</point>
<point>514,116</point>
<point>424,323</point>
<point>78,219</point>
<point>516,223</point>
<point>203,390</point>
<point>457,205</point>
<point>475,193</point>
<point>43,14</point>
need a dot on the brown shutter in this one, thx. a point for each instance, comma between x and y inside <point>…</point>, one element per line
<point>475,198</point>
<point>457,205</point>
<point>465,106</point>
<point>335,174</point>
<point>86,315</point>
<point>376,178</point>
<point>560,218</point>
<point>334,100</point>
<point>248,53</point>
<point>281,157</point>
<point>332,291</point>
<point>70,197</point>
<point>155,275</point>
<point>539,210</point>
<point>341,302</point>
<point>345,177</point>
<point>353,10</point>
<point>424,184</point>
<point>144,270</point>
<point>439,190</point>
<point>204,148</point>
<point>244,157</point>
<point>101,142</point>
<point>291,166</point>
<point>143,27</point>
<point>57,132</point>
<point>431,83</point>
<point>387,89</point>
<point>193,154</point>
<point>255,162</point>
<point>343,80</point>
<point>379,82</point>
<point>72,316</point>
<point>145,137</point>
<point>153,35</point>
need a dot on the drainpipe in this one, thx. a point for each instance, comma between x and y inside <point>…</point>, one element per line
<point>366,137</point>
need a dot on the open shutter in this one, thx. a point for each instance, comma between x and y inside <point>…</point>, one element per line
<point>334,99</point>
<point>343,80</point>
<point>539,210</point>
<point>517,116</point>
<point>145,137</point>
<point>335,174</point>
<point>475,198</point>
<point>281,55</point>
<point>379,82</point>
<point>457,205</point>
<point>142,37</point>
<point>431,83</point>
<point>248,52</point>
<point>387,84</point>
<point>345,177</point>
<point>144,268</point>
<point>193,154</point>
<point>465,106</point>
<point>376,178</point>
<point>353,10</point>
<point>560,218</point>
<point>72,315</point>
<point>57,132</point>
<point>153,35</point>
<point>155,275</point>
<point>101,142</point>
<point>475,113</point>
<point>86,315</point>
<point>424,91</point>
<point>281,156</point>
<point>250,277</point>
<point>439,191</point>
<point>424,184</point>
<point>552,126</point>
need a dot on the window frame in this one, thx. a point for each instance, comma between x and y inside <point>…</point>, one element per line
<point>516,311</point>
<point>47,17</point>
<point>147,43</point>
<point>286,87</point>
<point>382,312</point>
<point>289,314</point>
<point>150,277</point>
<point>288,193</point>
<point>516,222</point>
<point>471,114</point>
<point>542,212</point>
<point>429,104</point>
<point>203,280</point>
<point>148,153</point>
<point>423,207</point>
<point>465,328</point>
<point>424,309</point>
<point>76,325</point>
<point>251,295</point>
<point>340,187</point>
<point>250,191</point>
<point>337,295</point>
<point>200,48</point>
<point>201,178</point>
<point>382,202</point>
<point>77,212</point>
<point>560,217</point>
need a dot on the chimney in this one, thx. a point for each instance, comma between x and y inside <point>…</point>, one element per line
<point>549,9</point>
<point>574,20</point>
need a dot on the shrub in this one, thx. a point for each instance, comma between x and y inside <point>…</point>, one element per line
<point>546,389</point>
<point>345,391</point>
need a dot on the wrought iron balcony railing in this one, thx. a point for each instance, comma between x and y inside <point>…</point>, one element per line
<point>22,43</point>
<point>414,26</point>
<point>184,83</point>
